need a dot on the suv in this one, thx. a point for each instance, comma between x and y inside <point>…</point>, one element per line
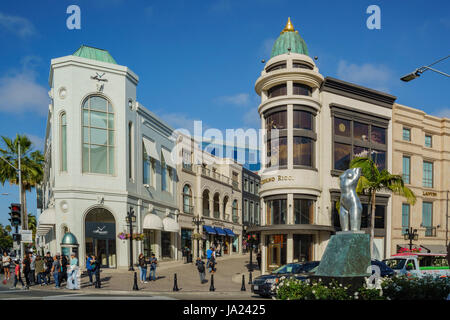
<point>262,285</point>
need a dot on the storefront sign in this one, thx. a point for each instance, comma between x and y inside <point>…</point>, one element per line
<point>277,178</point>
<point>430,193</point>
<point>27,236</point>
<point>100,230</point>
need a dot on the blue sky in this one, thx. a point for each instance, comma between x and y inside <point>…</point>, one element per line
<point>198,60</point>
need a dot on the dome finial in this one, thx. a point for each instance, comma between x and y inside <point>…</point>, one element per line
<point>289,27</point>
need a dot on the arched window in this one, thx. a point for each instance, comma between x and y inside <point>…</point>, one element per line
<point>63,123</point>
<point>235,211</point>
<point>216,206</point>
<point>98,136</point>
<point>205,203</point>
<point>187,199</point>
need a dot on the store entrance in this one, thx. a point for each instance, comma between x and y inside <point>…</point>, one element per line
<point>276,251</point>
<point>100,230</point>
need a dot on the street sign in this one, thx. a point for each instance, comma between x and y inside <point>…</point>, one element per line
<point>27,236</point>
<point>16,246</point>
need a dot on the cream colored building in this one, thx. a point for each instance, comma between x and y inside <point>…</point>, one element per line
<point>421,153</point>
<point>208,187</point>
<point>320,125</point>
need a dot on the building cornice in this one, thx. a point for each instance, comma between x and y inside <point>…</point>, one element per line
<point>354,91</point>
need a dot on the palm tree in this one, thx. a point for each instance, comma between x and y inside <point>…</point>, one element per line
<point>373,181</point>
<point>31,167</point>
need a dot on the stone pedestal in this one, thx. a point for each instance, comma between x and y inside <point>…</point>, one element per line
<point>346,259</point>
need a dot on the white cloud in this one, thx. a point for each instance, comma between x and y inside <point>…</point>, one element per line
<point>240,99</point>
<point>367,74</point>
<point>180,121</point>
<point>17,25</point>
<point>38,142</point>
<point>21,93</point>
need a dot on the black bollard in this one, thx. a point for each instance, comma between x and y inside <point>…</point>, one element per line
<point>243,283</point>
<point>175,284</point>
<point>211,287</point>
<point>98,283</point>
<point>250,280</point>
<point>135,285</point>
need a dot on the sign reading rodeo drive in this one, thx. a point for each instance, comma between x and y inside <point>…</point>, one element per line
<point>100,230</point>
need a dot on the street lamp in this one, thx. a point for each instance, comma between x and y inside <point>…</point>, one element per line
<point>198,221</point>
<point>416,73</point>
<point>130,219</point>
<point>411,235</point>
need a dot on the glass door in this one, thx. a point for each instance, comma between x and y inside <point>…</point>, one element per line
<point>276,251</point>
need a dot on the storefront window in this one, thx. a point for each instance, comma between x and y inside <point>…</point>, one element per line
<point>166,245</point>
<point>276,211</point>
<point>303,245</point>
<point>303,211</point>
<point>186,241</point>
<point>276,250</point>
<point>149,242</point>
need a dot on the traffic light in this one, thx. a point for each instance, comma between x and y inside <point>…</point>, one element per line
<point>15,214</point>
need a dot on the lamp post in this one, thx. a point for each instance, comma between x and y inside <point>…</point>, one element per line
<point>416,73</point>
<point>411,235</point>
<point>198,221</point>
<point>130,219</point>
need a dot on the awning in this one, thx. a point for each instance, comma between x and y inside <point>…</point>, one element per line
<point>229,232</point>
<point>209,229</point>
<point>47,217</point>
<point>152,222</point>
<point>434,248</point>
<point>43,230</point>
<point>170,225</point>
<point>220,231</point>
<point>167,157</point>
<point>150,148</point>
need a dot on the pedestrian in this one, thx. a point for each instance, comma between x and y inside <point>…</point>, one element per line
<point>48,266</point>
<point>26,269</point>
<point>258,259</point>
<point>153,263</point>
<point>143,268</point>
<point>32,267</point>
<point>201,269</point>
<point>73,279</point>
<point>56,270</point>
<point>208,257</point>
<point>17,277</point>
<point>96,269</point>
<point>40,271</point>
<point>6,263</point>
<point>89,268</point>
<point>63,273</point>
<point>212,264</point>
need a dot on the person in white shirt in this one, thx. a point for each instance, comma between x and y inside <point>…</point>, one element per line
<point>6,262</point>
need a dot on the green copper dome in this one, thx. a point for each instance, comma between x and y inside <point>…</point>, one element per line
<point>94,54</point>
<point>69,239</point>
<point>289,38</point>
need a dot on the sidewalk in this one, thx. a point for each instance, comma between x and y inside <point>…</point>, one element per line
<point>227,279</point>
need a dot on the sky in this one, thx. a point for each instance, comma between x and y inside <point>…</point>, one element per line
<point>199,60</point>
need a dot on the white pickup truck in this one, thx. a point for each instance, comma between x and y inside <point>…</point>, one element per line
<point>419,264</point>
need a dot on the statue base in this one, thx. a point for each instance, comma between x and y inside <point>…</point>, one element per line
<point>347,255</point>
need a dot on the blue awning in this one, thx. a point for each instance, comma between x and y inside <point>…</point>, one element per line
<point>229,232</point>
<point>220,231</point>
<point>209,229</point>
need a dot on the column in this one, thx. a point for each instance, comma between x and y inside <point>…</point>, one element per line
<point>221,213</point>
<point>290,139</point>
<point>290,209</point>
<point>290,248</point>
<point>263,254</point>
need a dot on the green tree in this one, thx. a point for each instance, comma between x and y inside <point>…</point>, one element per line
<point>31,166</point>
<point>372,181</point>
<point>6,241</point>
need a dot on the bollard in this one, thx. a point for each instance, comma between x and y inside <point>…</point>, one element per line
<point>243,283</point>
<point>135,285</point>
<point>175,284</point>
<point>98,283</point>
<point>250,280</point>
<point>211,287</point>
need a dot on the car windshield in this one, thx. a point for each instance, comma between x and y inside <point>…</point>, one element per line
<point>396,264</point>
<point>288,268</point>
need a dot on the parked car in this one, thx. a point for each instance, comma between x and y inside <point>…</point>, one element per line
<point>262,285</point>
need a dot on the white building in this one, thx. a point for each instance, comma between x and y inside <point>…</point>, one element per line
<point>105,153</point>
<point>322,123</point>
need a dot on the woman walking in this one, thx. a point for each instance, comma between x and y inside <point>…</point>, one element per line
<point>17,277</point>
<point>40,271</point>
<point>143,268</point>
<point>6,262</point>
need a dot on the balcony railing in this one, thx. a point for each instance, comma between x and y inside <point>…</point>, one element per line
<point>213,175</point>
<point>187,166</point>
<point>430,231</point>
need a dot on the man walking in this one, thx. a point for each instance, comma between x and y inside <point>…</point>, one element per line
<point>201,269</point>
<point>208,257</point>
<point>17,277</point>
<point>32,268</point>
<point>48,266</point>
<point>153,263</point>
<point>27,269</point>
<point>89,270</point>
